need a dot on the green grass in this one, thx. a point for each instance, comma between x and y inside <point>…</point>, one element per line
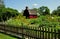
<point>3,36</point>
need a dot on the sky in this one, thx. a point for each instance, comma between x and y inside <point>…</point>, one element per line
<point>21,4</point>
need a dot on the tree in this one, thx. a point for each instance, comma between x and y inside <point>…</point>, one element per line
<point>58,8</point>
<point>35,9</point>
<point>8,13</point>
<point>44,10</point>
<point>56,12</point>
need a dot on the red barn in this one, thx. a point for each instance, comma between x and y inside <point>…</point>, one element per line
<point>32,13</point>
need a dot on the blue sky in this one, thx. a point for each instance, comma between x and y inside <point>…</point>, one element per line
<point>20,4</point>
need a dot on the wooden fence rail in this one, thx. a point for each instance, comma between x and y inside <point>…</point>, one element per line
<point>32,32</point>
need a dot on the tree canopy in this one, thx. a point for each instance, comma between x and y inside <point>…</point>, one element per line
<point>43,10</point>
<point>7,13</point>
<point>56,12</point>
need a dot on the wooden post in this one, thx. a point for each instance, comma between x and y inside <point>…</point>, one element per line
<point>22,31</point>
<point>59,34</point>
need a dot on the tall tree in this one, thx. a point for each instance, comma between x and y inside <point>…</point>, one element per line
<point>43,10</point>
<point>58,8</point>
<point>56,12</point>
<point>8,13</point>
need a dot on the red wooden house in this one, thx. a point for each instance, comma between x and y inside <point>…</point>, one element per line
<point>32,13</point>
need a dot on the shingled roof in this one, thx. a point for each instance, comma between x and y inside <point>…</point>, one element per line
<point>33,12</point>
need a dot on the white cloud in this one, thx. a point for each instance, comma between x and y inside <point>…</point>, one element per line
<point>35,4</point>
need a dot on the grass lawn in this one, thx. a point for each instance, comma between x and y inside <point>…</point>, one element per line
<point>3,36</point>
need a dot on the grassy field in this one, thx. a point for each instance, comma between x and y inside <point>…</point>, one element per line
<point>3,36</point>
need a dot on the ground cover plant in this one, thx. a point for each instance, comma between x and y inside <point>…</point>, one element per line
<point>3,36</point>
<point>48,21</point>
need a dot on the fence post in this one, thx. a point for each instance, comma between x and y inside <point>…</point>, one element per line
<point>22,31</point>
<point>58,34</point>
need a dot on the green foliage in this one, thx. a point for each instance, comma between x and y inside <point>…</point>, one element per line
<point>6,13</point>
<point>47,21</point>
<point>35,9</point>
<point>56,12</point>
<point>43,10</point>
<point>17,21</point>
